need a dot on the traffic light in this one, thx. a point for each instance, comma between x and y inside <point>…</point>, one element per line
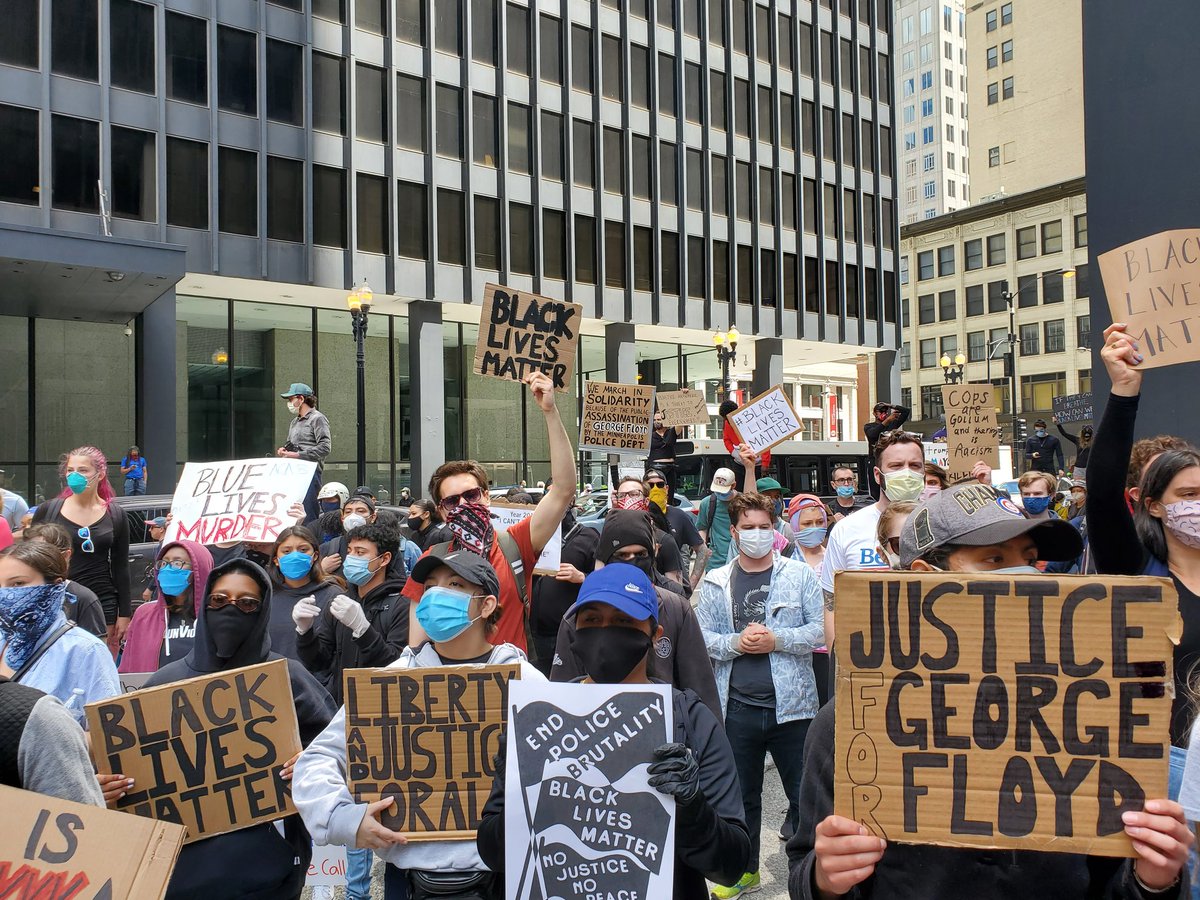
<point>1020,430</point>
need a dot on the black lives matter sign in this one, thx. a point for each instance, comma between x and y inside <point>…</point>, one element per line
<point>521,333</point>
<point>1020,712</point>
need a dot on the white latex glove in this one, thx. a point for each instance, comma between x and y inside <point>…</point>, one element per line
<point>304,613</point>
<point>350,613</point>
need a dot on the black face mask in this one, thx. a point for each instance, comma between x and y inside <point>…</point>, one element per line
<point>263,559</point>
<point>609,653</point>
<point>645,563</point>
<point>229,628</point>
<point>414,523</point>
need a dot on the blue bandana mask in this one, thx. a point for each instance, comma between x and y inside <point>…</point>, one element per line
<point>77,483</point>
<point>1036,505</point>
<point>810,537</point>
<point>296,565</point>
<point>845,490</point>
<point>26,614</point>
<point>173,582</point>
<point>357,569</point>
<point>442,612</point>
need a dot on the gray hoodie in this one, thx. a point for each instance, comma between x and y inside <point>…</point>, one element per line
<point>320,793</point>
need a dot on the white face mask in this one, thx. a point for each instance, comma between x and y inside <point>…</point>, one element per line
<point>294,405</point>
<point>1016,570</point>
<point>756,542</point>
<point>352,521</point>
<point>903,485</point>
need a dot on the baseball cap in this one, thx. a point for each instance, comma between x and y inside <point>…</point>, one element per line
<point>975,515</point>
<point>298,389</point>
<point>158,522</point>
<point>626,587</point>
<point>723,480</point>
<point>768,484</point>
<point>470,566</point>
<point>653,473</point>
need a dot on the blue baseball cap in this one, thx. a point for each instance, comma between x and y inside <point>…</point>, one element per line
<point>623,586</point>
<point>298,389</point>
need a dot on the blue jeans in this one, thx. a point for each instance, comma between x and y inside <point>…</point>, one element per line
<point>752,731</point>
<point>135,486</point>
<point>1191,872</point>
<point>358,873</point>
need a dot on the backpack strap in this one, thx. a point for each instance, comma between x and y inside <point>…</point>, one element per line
<point>50,642</point>
<point>707,514</point>
<point>508,545</point>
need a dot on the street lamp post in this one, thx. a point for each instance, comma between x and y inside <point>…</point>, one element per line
<point>953,371</point>
<point>726,346</point>
<point>359,302</point>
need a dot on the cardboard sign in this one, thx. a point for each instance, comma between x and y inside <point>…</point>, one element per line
<point>521,333</point>
<point>1073,408</point>
<point>765,421</point>
<point>1153,285</point>
<point>1022,712</point>
<point>506,515</point>
<point>133,681</point>
<point>51,848</point>
<point>971,432</point>
<point>581,818</point>
<point>237,500</point>
<point>205,752</point>
<point>685,407</point>
<point>617,418</point>
<point>327,867</point>
<point>427,737</point>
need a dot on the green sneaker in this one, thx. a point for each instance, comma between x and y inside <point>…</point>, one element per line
<point>747,884</point>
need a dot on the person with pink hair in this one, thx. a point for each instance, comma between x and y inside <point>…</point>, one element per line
<point>99,535</point>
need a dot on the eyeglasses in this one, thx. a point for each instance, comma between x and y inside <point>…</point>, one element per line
<point>843,481</point>
<point>655,484</point>
<point>245,604</point>
<point>172,564</point>
<point>86,534</point>
<point>629,495</point>
<point>474,495</point>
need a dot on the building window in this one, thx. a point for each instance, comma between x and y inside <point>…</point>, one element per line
<point>787,193</point>
<point>996,299</point>
<point>927,134</point>
<point>1038,391</point>
<point>522,241</point>
<point>448,127</point>
<point>720,186</point>
<point>1026,242</point>
<point>668,175</point>
<point>670,262</point>
<point>133,174</point>
<point>520,127</point>
<point>369,15</point>
<point>697,287</point>
<point>1083,281</point>
<point>131,56</point>
<point>666,85</point>
<point>517,19</point>
<point>995,250</point>
<point>948,345</point>
<point>19,147</point>
<point>946,260</point>
<point>991,20</point>
<point>643,259</point>
<point>612,83</point>
<point>905,356</point>
<point>19,39</point>
<point>741,108</point>
<point>1027,291</point>
<point>1029,339</point>
<point>926,310</point>
<point>585,249</point>
<point>236,70</point>
<point>554,244</point>
<point>947,306</point>
<point>931,401</point>
<point>1006,14</point>
<point>1056,337</point>
<point>930,190</point>
<point>584,155</point>
<point>1007,88</point>
<point>483,31</point>
<point>828,135</point>
<point>639,76</point>
<point>237,191</point>
<point>329,93</point>
<point>614,161</point>
<point>285,82</point>
<point>993,57</point>
<point>976,346</point>
<point>411,226</point>
<point>693,100</point>
<point>370,103</point>
<point>371,214</point>
<point>766,200</point>
<point>928,353</point>
<point>1006,51</point>
<point>1052,287</point>
<point>447,27</point>
<point>451,227</point>
<point>581,58</point>
<point>410,112</point>
<point>74,39</point>
<point>1052,241</point>
<point>187,183</point>
<point>694,178</point>
<point>187,58</point>
<point>75,163</point>
<point>552,162</point>
<point>742,192</point>
<point>973,251</point>
<point>285,199</point>
<point>551,49</point>
<point>1083,331</point>
<point>1081,231</point>
<point>614,254</point>
<point>993,93</point>
<point>741,26</point>
<point>745,278</point>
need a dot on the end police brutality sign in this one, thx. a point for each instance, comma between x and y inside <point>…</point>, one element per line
<point>520,333</point>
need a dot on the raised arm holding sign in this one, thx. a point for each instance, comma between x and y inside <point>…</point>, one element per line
<point>521,333</point>
<point>765,421</point>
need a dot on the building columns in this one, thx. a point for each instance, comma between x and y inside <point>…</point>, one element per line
<point>768,366</point>
<point>155,423</point>
<point>427,369</point>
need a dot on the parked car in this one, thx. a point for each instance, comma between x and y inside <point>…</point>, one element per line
<point>139,510</point>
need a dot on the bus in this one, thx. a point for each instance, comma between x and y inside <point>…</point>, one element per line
<point>802,467</point>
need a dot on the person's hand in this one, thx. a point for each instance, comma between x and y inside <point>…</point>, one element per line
<point>1121,355</point>
<point>349,613</point>
<point>542,389</point>
<point>765,642</point>
<point>1054,419</point>
<point>113,787</point>
<point>676,773</point>
<point>1161,840</point>
<point>567,572</point>
<point>1036,455</point>
<point>331,563</point>
<point>122,626</point>
<point>749,639</point>
<point>982,472</point>
<point>745,455</point>
<point>371,834</point>
<point>304,613</point>
<point>280,452</point>
<point>288,768</point>
<point>296,513</point>
<point>846,854</point>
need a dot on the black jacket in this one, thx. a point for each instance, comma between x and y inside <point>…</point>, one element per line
<point>714,844</point>
<point>947,873</point>
<point>330,647</point>
<point>1049,450</point>
<point>83,607</point>
<point>283,629</point>
<point>436,533</point>
<point>1083,452</point>
<point>255,863</point>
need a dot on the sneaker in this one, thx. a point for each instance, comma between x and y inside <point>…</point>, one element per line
<point>747,884</point>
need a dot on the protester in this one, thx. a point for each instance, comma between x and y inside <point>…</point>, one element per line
<point>809,519</point>
<point>730,437</point>
<point>891,523</point>
<point>12,508</point>
<point>846,500</point>
<point>39,646</point>
<point>356,512</point>
<point>99,536</point>
<point>662,453</point>
<point>269,860</point>
<point>617,617</point>
<point>886,417</point>
<point>459,611</point>
<point>296,577</point>
<point>1037,494</point>
<point>367,629</point>
<point>308,438</point>
<point>936,479</point>
<point>133,467</point>
<point>405,497</point>
<point>1078,500</point>
<point>773,491</point>
<point>630,494</point>
<point>426,528</point>
<point>965,529</point>
<point>680,525</point>
<point>156,528</point>
<point>332,497</point>
<point>1145,452</point>
<point>80,604</point>
<point>42,748</point>
<point>1083,447</point>
<point>553,596</point>
<point>1043,451</point>
<point>164,630</point>
<point>713,514</point>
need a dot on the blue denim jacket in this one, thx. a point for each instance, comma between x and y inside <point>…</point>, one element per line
<point>796,616</point>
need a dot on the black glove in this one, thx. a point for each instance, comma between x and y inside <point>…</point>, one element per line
<point>500,760</point>
<point>676,773</point>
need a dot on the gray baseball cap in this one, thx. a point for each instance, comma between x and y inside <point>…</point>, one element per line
<point>976,515</point>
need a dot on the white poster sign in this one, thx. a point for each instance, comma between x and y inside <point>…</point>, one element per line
<point>506,515</point>
<point>767,420</point>
<point>328,866</point>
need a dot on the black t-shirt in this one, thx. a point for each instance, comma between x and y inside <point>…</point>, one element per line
<point>667,559</point>
<point>551,597</point>
<point>683,527</point>
<point>478,660</point>
<point>177,639</point>
<point>750,679</point>
<point>662,446</point>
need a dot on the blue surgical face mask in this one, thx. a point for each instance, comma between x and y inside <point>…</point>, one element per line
<point>1016,570</point>
<point>845,490</point>
<point>810,537</point>
<point>1041,432</point>
<point>1036,505</point>
<point>173,582</point>
<point>297,564</point>
<point>77,483</point>
<point>357,569</point>
<point>443,614</point>
<point>778,508</point>
<point>722,495</point>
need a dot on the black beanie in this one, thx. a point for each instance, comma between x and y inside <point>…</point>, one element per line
<point>624,528</point>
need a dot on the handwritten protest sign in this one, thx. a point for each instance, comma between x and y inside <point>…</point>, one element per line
<point>506,515</point>
<point>1025,712</point>
<point>133,681</point>
<point>1153,285</point>
<point>520,332</point>
<point>237,500</point>
<point>1073,408</point>
<point>426,737</point>
<point>616,417</point>
<point>765,421</point>
<point>327,866</point>
<point>581,818</point>
<point>206,752</point>
<point>686,407</point>
<point>52,848</point>
<point>971,432</point>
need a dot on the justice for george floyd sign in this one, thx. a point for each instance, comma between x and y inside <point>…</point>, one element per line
<point>767,420</point>
<point>426,737</point>
<point>581,818</point>
<point>206,752</point>
<point>685,407</point>
<point>520,332</point>
<point>971,432</point>
<point>616,417</point>
<point>1007,711</point>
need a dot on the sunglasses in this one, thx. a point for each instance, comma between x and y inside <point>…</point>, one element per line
<point>655,484</point>
<point>474,495</point>
<point>894,544</point>
<point>86,534</point>
<point>245,604</point>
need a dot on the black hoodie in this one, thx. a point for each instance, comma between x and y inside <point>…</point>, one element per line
<point>255,863</point>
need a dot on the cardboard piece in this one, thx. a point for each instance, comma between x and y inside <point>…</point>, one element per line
<point>1073,408</point>
<point>962,698</point>
<point>580,817</point>
<point>617,418</point>
<point>971,431</point>
<point>506,515</point>
<point>521,332</point>
<point>55,848</point>
<point>205,752</point>
<point>767,420</point>
<point>1153,285</point>
<point>237,500</point>
<point>328,866</point>
<point>133,681</point>
<point>426,737</point>
<point>685,407</point>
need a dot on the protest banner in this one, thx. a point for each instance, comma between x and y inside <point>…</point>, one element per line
<point>427,737</point>
<point>1073,408</point>
<point>765,421</point>
<point>327,866</point>
<point>52,848</point>
<point>133,681</point>
<point>617,418</point>
<point>237,500</point>
<point>1005,711</point>
<point>971,431</point>
<point>685,407</point>
<point>1152,285</point>
<point>506,515</point>
<point>206,752</point>
<point>521,332</point>
<point>580,816</point>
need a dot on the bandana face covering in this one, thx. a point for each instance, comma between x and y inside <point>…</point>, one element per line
<point>472,527</point>
<point>658,496</point>
<point>25,614</point>
<point>636,503</point>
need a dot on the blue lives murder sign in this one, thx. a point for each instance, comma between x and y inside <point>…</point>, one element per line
<point>521,333</point>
